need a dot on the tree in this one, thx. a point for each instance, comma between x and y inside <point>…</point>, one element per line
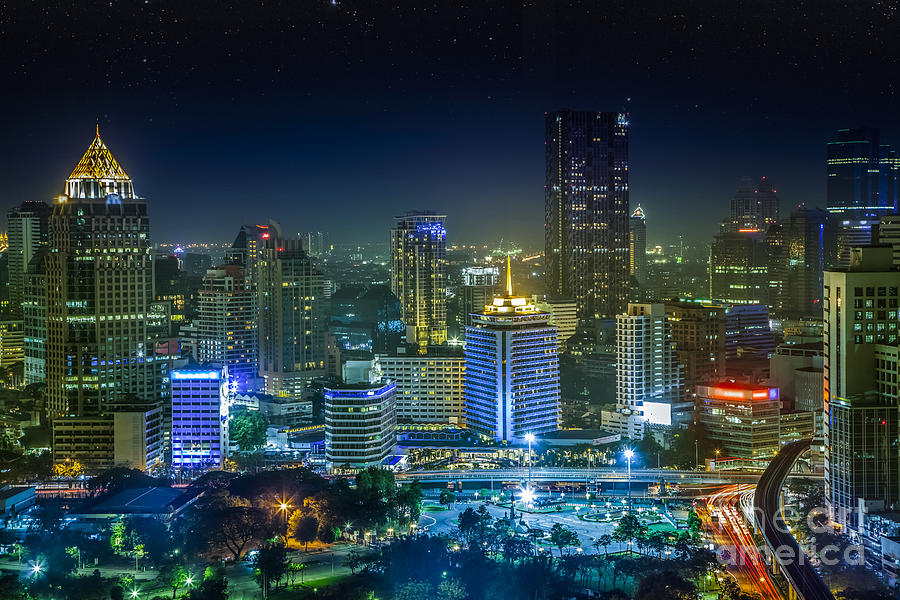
<point>447,498</point>
<point>248,430</point>
<point>209,589</point>
<point>409,503</point>
<point>69,469</point>
<point>271,563</point>
<point>234,527</point>
<point>473,526</point>
<point>667,586</point>
<point>306,530</point>
<point>177,577</point>
<point>451,589</point>
<point>295,569</point>
<point>604,540</point>
<point>563,537</point>
<point>628,529</point>
<point>414,590</point>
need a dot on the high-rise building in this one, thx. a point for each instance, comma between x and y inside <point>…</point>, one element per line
<point>227,325</point>
<point>742,420</point>
<point>477,291</point>
<point>810,239</point>
<point>360,423</point>
<point>861,321</point>
<point>293,318</point>
<point>429,388</point>
<point>586,210</point>
<point>698,331</point>
<point>748,331</point>
<point>28,230</point>
<point>367,319</point>
<point>314,243</point>
<point>199,417</point>
<point>649,381</point>
<point>34,318</point>
<point>755,205</point>
<point>419,276</point>
<point>100,283</point>
<point>738,271</point>
<point>563,315</point>
<point>512,370</point>
<point>248,248</point>
<point>637,244</point>
<point>862,185</point>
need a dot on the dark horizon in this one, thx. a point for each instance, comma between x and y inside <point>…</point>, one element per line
<point>288,112</point>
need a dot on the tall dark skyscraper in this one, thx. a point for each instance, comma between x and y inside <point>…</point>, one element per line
<point>586,209</point>
<point>862,185</point>
<point>755,205</point>
<point>810,244</point>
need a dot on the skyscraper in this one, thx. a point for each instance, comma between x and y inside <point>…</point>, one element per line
<point>477,291</point>
<point>738,271</point>
<point>637,244</point>
<point>248,248</point>
<point>28,230</point>
<point>100,282</point>
<point>810,239</point>
<point>227,318</point>
<point>754,206</point>
<point>860,364</point>
<point>586,209</point>
<point>360,420</point>
<point>512,370</point>
<point>862,185</point>
<point>698,331</point>
<point>419,276</point>
<point>649,382</point>
<point>34,318</point>
<point>292,317</point>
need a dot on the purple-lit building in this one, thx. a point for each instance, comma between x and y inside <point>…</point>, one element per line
<point>199,417</point>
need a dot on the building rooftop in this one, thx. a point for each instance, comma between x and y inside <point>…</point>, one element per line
<point>576,434</point>
<point>740,385</point>
<point>153,500</point>
<point>98,163</point>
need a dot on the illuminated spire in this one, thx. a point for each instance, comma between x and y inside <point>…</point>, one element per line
<point>508,278</point>
<point>98,174</point>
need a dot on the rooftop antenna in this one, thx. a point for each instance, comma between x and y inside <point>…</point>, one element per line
<point>508,278</point>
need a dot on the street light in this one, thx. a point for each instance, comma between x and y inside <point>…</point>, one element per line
<point>529,437</point>
<point>629,454</point>
<point>134,593</point>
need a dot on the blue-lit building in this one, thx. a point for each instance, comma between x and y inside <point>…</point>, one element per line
<point>199,417</point>
<point>862,185</point>
<point>512,371</point>
<point>360,423</point>
<point>748,332</point>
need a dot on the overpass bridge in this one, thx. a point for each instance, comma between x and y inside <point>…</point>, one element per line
<point>788,557</point>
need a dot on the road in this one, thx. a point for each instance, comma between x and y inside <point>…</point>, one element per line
<point>767,506</point>
<point>566,474</point>
<point>734,541</point>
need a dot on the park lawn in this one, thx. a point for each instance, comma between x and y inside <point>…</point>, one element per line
<point>433,508</point>
<point>663,526</point>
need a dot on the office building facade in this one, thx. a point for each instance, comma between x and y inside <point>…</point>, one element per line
<point>28,230</point>
<point>698,332</point>
<point>637,244</point>
<point>861,317</point>
<point>199,417</point>
<point>292,321</point>
<point>649,380</point>
<point>586,210</point>
<point>741,420</point>
<point>226,321</point>
<point>360,424</point>
<point>429,388</point>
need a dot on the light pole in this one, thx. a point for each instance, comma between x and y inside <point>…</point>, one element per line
<point>529,437</point>
<point>629,453</point>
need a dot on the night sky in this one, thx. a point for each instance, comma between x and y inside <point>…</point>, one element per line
<point>338,115</point>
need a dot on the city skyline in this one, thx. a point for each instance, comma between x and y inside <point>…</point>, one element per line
<point>468,99</point>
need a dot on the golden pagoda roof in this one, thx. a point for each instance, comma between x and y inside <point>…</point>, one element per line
<point>98,163</point>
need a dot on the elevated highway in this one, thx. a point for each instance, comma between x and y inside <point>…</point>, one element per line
<point>788,557</point>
